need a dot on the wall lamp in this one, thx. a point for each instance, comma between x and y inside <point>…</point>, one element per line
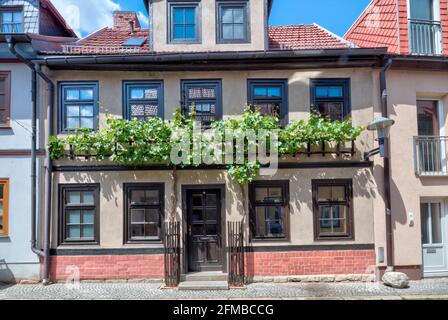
<point>382,126</point>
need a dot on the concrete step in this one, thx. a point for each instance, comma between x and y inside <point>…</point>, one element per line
<point>205,276</point>
<point>204,285</point>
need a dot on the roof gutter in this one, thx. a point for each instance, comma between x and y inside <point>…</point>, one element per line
<point>36,70</point>
<point>210,56</point>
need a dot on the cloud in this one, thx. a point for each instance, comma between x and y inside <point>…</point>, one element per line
<point>143,18</point>
<point>87,16</point>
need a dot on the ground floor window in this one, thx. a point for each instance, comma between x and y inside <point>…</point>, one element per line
<point>79,213</point>
<point>4,201</point>
<point>268,209</point>
<point>144,212</point>
<point>332,206</point>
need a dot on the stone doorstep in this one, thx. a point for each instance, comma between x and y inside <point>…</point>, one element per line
<point>317,278</point>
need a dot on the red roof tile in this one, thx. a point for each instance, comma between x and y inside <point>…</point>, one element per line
<point>301,37</point>
<point>297,37</point>
<point>377,26</point>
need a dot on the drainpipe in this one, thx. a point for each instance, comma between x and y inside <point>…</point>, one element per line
<point>36,70</point>
<point>386,171</point>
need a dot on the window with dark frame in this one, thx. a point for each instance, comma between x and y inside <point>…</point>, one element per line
<point>143,100</point>
<point>268,210</point>
<point>79,214</point>
<point>4,205</point>
<point>269,97</point>
<point>5,98</point>
<point>332,206</point>
<point>331,98</point>
<point>233,22</point>
<point>11,20</point>
<point>203,98</point>
<point>78,106</point>
<point>144,212</point>
<point>184,22</point>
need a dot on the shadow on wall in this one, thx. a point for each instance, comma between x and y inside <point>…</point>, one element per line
<point>399,213</point>
<point>6,275</point>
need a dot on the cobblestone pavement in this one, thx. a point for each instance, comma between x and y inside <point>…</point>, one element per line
<point>424,289</point>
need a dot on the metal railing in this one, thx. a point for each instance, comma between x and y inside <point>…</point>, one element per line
<point>425,37</point>
<point>172,253</point>
<point>430,155</point>
<point>236,253</point>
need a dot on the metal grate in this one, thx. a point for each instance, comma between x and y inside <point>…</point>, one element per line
<point>425,37</point>
<point>172,253</point>
<point>236,254</point>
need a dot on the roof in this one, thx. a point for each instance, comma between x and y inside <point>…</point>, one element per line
<point>377,26</point>
<point>58,16</point>
<point>108,41</point>
<point>300,37</point>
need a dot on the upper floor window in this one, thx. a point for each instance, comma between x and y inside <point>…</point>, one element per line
<point>422,9</point>
<point>4,200</point>
<point>79,213</point>
<point>5,98</point>
<point>78,105</point>
<point>143,99</point>
<point>332,206</point>
<point>11,20</point>
<point>425,30</point>
<point>184,22</point>
<point>268,202</point>
<point>232,22</point>
<point>203,98</point>
<point>144,212</point>
<point>331,98</point>
<point>269,97</point>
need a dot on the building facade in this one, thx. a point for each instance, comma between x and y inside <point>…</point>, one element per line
<point>17,18</point>
<point>314,217</point>
<point>415,33</point>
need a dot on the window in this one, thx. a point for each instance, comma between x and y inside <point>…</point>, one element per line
<point>203,97</point>
<point>5,98</point>
<point>184,22</point>
<point>11,20</point>
<point>79,213</point>
<point>269,97</point>
<point>78,106</point>
<point>4,201</point>
<point>332,206</point>
<point>232,22</point>
<point>331,98</point>
<point>144,212</point>
<point>143,99</point>
<point>268,209</point>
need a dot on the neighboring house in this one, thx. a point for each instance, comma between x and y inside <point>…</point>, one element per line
<point>40,20</point>
<point>221,55</point>
<point>416,35</point>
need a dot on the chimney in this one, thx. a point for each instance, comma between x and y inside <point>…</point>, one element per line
<point>126,21</point>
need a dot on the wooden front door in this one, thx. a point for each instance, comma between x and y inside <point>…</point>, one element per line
<point>204,230</point>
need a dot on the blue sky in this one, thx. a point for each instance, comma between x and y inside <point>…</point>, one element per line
<point>86,16</point>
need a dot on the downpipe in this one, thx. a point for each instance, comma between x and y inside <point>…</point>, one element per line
<point>36,70</point>
<point>386,171</point>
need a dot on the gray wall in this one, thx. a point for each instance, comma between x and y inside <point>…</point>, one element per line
<point>17,261</point>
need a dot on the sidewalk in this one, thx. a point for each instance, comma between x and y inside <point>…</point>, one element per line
<point>424,289</point>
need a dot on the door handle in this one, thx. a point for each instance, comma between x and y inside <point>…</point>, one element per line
<point>204,238</point>
<point>189,230</point>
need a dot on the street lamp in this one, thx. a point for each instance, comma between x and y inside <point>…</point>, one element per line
<point>382,126</point>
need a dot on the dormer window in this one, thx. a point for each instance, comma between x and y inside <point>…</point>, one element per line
<point>184,22</point>
<point>11,20</point>
<point>232,22</point>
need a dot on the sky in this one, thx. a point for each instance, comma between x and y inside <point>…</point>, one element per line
<point>87,16</point>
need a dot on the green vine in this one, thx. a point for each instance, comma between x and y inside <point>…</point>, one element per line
<point>138,143</point>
